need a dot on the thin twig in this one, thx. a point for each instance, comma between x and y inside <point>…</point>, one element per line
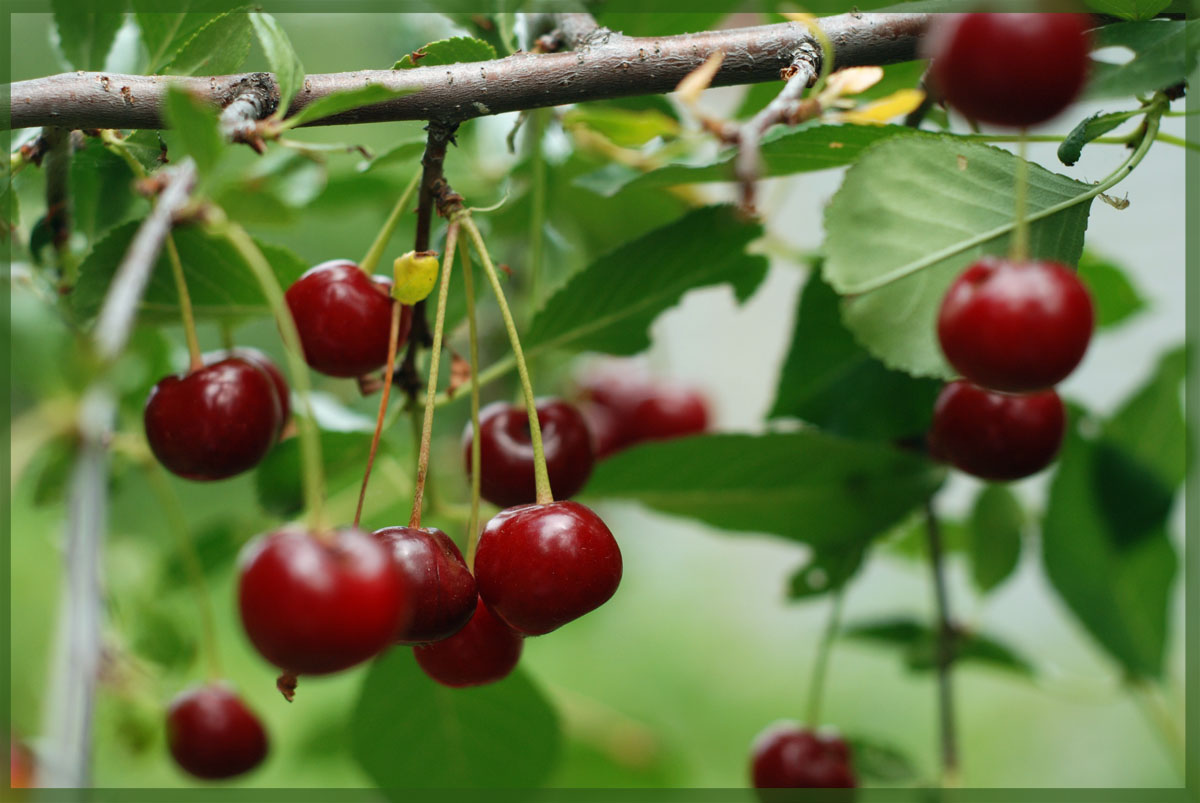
<point>57,153</point>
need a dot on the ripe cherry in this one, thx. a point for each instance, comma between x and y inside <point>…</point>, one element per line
<point>282,392</point>
<point>344,317</point>
<point>21,764</point>
<point>1015,326</point>
<point>214,422</point>
<point>605,425</point>
<point>440,584</point>
<point>506,452</point>
<point>623,406</point>
<point>1009,69</point>
<point>996,436</point>
<point>787,756</point>
<point>213,735</point>
<point>668,412</point>
<point>314,605</point>
<point>484,651</point>
<point>540,566</point>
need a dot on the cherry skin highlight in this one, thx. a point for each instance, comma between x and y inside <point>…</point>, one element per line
<point>483,652</point>
<point>1015,326</point>
<point>312,605</point>
<point>344,317</point>
<point>214,422</point>
<point>440,584</point>
<point>506,452</point>
<point>282,392</point>
<point>1009,69</point>
<point>213,735</point>
<point>787,756</point>
<point>996,436</point>
<point>541,566</point>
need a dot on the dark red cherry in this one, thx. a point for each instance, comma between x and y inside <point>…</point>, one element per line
<point>506,453</point>
<point>214,422</point>
<point>787,756</point>
<point>540,566</point>
<point>996,436</point>
<point>605,425</point>
<point>1009,69</point>
<point>668,412</point>
<point>213,735</point>
<point>440,584</point>
<point>313,605</point>
<point>282,392</point>
<point>344,317</point>
<point>484,651</point>
<point>1015,326</point>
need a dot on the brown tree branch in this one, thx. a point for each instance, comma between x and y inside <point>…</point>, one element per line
<point>618,66</point>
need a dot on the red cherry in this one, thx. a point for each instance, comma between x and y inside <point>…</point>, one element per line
<point>312,605</point>
<point>1009,69</point>
<point>344,317</point>
<point>604,424</point>
<point>212,734</point>
<point>213,422</point>
<point>484,651</point>
<point>20,764</point>
<point>441,585</point>
<point>787,756</point>
<point>506,452</point>
<point>668,412</point>
<point>540,566</point>
<point>1015,326</point>
<point>996,436</point>
<point>282,392</point>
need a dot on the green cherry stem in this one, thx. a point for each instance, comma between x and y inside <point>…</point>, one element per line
<point>310,441</point>
<point>435,353</point>
<point>185,305</point>
<point>1020,242</point>
<point>375,252</point>
<point>476,449</point>
<point>816,687</point>
<point>388,373</point>
<point>541,478</point>
<point>537,217</point>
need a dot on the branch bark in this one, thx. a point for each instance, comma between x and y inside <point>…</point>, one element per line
<point>609,67</point>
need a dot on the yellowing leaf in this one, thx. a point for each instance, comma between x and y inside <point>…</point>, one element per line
<point>894,105</point>
<point>415,275</point>
<point>699,79</point>
<point>852,81</point>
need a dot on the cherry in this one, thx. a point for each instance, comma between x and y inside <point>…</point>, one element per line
<point>21,764</point>
<point>441,585</point>
<point>540,566</point>
<point>1009,69</point>
<point>212,734</point>
<point>605,425</point>
<point>484,651</point>
<point>624,406</point>
<point>787,756</point>
<point>344,317</point>
<point>1015,326</point>
<point>506,452</point>
<point>668,412</point>
<point>282,392</point>
<point>996,436</point>
<point>215,421</point>
<point>314,605</point>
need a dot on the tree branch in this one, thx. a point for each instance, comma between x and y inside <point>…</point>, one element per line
<point>618,66</point>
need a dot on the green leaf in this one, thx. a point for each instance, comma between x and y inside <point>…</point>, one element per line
<point>102,190</point>
<point>994,536</point>
<point>148,147</point>
<point>918,644</point>
<point>55,469</point>
<point>827,570</point>
<point>610,305</point>
<point>86,30</point>
<point>1113,571</point>
<point>911,214</point>
<point>340,102</point>
<point>879,762</point>
<point>278,482</point>
<point>409,732</point>
<point>628,128</point>
<point>289,72</point>
<point>447,51</point>
<point>1090,129</point>
<point>1164,53</point>
<point>194,122</point>
<point>1113,295</point>
<point>807,486</point>
<point>1129,9</point>
<point>404,153</point>
<point>832,382</point>
<point>1150,425</point>
<point>639,23</point>
<point>274,188</point>
<point>166,25</point>
<point>220,283</point>
<point>218,48</point>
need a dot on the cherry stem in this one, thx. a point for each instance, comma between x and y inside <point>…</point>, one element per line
<point>1020,243</point>
<point>541,477</point>
<point>388,372</point>
<point>816,688</point>
<point>944,650</point>
<point>375,253</point>
<point>476,448</point>
<point>1159,713</point>
<point>177,522</point>
<point>185,305</point>
<point>434,360</point>
<point>310,441</point>
<point>537,218</point>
